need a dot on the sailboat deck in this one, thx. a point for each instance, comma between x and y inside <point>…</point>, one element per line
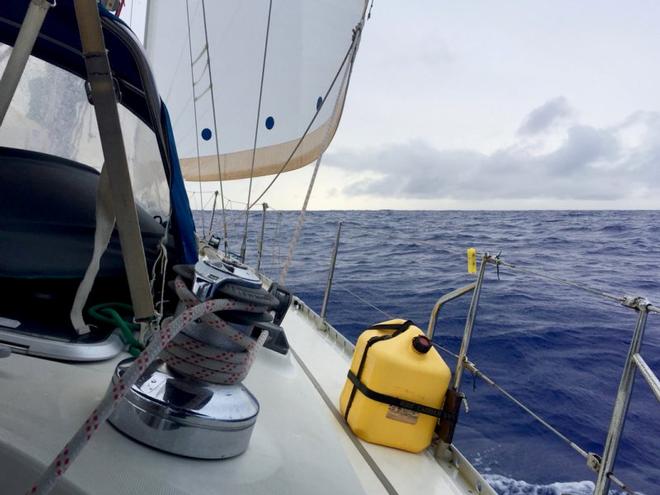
<point>299,444</point>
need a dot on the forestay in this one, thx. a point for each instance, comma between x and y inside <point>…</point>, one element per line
<point>298,51</point>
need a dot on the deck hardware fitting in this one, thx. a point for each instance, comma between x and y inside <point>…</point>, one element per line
<point>593,461</point>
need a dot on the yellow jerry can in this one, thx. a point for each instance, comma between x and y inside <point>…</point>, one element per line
<point>396,387</point>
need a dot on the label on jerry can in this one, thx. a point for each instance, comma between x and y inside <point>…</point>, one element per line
<point>401,414</point>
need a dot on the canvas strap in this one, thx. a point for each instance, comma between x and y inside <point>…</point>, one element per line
<point>398,328</point>
<point>105,224</point>
<point>104,100</point>
<point>395,401</point>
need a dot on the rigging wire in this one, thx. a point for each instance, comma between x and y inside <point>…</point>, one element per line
<point>299,224</point>
<point>479,374</point>
<point>179,60</point>
<point>208,88</point>
<point>192,79</point>
<point>201,74</point>
<point>215,127</point>
<point>361,299</point>
<point>578,285</point>
<point>347,56</point>
<point>339,107</point>
<point>256,132</point>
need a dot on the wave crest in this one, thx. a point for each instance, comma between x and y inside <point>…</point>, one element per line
<point>509,486</point>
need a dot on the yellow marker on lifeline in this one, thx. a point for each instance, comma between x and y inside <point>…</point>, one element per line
<point>472,260</point>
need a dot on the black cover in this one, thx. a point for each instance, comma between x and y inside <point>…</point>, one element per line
<point>47,223</point>
<point>48,218</point>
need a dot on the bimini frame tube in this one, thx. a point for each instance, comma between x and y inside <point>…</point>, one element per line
<point>20,53</point>
<point>114,152</point>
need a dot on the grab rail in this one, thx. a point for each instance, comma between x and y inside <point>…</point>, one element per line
<point>604,464</point>
<point>623,395</point>
<point>450,296</point>
<point>648,375</point>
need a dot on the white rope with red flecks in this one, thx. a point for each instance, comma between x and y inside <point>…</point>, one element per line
<point>118,389</point>
<point>202,360</point>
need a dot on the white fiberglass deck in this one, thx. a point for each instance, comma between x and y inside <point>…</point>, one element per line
<point>299,446</point>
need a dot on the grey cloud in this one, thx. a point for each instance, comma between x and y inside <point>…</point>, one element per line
<point>543,117</point>
<point>583,146</point>
<point>590,163</point>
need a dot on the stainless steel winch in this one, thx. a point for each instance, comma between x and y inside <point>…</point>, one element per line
<point>185,416</point>
<point>191,417</point>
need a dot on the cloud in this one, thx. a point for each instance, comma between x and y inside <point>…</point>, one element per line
<point>545,116</point>
<point>587,163</point>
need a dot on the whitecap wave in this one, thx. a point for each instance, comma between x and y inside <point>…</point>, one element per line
<point>509,486</point>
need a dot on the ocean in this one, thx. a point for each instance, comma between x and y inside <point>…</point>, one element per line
<point>556,348</point>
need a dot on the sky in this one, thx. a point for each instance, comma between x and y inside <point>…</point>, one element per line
<point>493,105</point>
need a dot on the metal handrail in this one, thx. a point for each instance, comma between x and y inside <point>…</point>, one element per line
<point>634,361</point>
<point>646,372</point>
<point>622,401</point>
<point>450,296</point>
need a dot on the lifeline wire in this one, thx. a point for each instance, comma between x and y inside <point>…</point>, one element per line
<point>215,125</point>
<point>479,374</point>
<point>256,133</point>
<point>192,79</point>
<point>578,285</point>
<point>368,303</point>
<point>587,288</point>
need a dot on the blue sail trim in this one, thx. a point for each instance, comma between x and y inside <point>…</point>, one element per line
<point>183,225</point>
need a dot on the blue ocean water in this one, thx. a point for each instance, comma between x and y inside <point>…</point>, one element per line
<point>556,348</point>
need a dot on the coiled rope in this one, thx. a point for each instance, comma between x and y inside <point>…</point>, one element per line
<point>160,339</point>
<point>212,363</point>
<point>109,313</point>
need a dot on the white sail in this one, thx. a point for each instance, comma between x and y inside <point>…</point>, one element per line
<point>310,44</point>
